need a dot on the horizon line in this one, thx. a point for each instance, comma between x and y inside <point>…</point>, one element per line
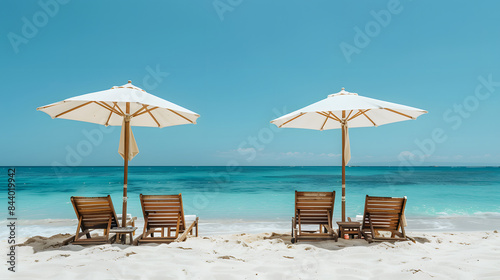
<point>10,166</point>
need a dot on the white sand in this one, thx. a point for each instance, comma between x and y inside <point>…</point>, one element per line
<point>465,255</point>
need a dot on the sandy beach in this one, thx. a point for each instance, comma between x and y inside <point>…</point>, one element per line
<point>433,255</point>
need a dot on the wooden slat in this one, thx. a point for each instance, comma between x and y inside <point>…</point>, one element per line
<point>156,240</point>
<point>314,206</point>
<point>315,234</point>
<point>153,204</point>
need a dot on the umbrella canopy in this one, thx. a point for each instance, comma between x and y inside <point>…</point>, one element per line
<point>108,107</point>
<point>124,106</point>
<point>360,112</point>
<point>346,110</point>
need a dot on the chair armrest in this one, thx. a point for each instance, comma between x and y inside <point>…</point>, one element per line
<point>131,222</point>
<point>187,231</point>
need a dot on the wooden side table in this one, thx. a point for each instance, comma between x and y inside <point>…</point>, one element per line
<point>351,228</point>
<point>123,230</point>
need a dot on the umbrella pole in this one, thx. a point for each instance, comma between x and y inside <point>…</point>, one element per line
<point>125,174</point>
<point>343,168</point>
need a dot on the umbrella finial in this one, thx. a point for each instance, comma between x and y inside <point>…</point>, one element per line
<point>129,81</point>
<point>342,92</point>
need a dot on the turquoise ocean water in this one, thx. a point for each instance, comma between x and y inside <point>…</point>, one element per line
<point>266,194</point>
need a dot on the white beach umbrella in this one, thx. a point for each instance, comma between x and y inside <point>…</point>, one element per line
<point>346,110</point>
<point>123,106</point>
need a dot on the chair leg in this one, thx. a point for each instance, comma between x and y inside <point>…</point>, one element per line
<point>178,225</point>
<point>106,231</point>
<point>77,235</point>
<point>402,227</point>
<point>300,227</point>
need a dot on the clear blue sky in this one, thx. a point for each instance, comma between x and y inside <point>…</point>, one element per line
<point>237,62</point>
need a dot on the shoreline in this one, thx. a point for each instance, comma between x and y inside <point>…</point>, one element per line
<point>213,227</point>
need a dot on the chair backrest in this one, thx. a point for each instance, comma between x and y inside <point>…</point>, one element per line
<point>163,210</point>
<point>94,211</point>
<point>385,212</point>
<point>314,207</point>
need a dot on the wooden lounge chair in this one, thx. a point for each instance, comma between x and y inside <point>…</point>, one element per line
<point>313,208</point>
<point>164,212</point>
<point>383,214</point>
<point>94,213</point>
